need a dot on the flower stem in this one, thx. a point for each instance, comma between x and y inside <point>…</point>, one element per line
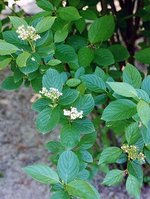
<point>32,46</point>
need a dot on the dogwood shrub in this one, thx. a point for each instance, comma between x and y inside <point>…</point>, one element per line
<point>79,57</point>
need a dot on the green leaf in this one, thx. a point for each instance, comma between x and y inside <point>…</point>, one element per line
<point>85,103</point>
<point>54,146</point>
<point>10,84</point>
<point>140,144</point>
<point>68,166</point>
<point>110,155</point>
<point>132,133</point>
<point>4,61</point>
<point>17,21</point>
<point>143,55</point>
<point>120,52</point>
<point>117,125</point>
<point>87,141</point>
<point>84,126</point>
<point>70,136</point>
<point>80,25</point>
<point>47,119</point>
<point>45,5</point>
<point>86,156</point>
<point>79,72</point>
<point>147,154</point>
<point>52,79</point>
<point>133,187</point>
<point>18,75</point>
<point>69,13</point>
<point>54,62</point>
<point>88,14</point>
<point>143,95</point>
<point>77,42</point>
<point>146,134</point>
<point>68,97</point>
<point>82,189</point>
<point>74,3</point>
<point>42,174</point>
<point>102,29</point>
<point>123,89</point>
<point>7,48</point>
<point>37,84</point>
<point>103,57</point>
<point>22,59</point>
<point>135,170</point>
<point>85,56</point>
<point>83,175</point>
<point>32,64</point>
<point>143,110</point>
<point>132,76</point>
<point>100,73</point>
<point>146,84</point>
<point>61,35</point>
<point>119,110</point>
<point>113,177</point>
<point>12,37</point>
<point>45,24</point>
<point>65,53</point>
<point>40,104</point>
<point>73,82</point>
<point>60,195</point>
<point>94,83</point>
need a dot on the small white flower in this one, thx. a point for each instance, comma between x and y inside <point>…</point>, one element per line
<point>66,112</point>
<point>52,93</point>
<point>27,33</point>
<point>33,59</point>
<point>73,113</point>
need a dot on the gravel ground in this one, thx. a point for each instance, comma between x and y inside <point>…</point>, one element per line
<point>21,145</point>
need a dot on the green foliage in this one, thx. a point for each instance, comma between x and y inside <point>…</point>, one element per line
<point>7,48</point>
<point>69,13</point>
<point>110,155</point>
<point>123,89</point>
<point>4,61</point>
<point>94,83</point>
<point>101,29</point>
<point>104,57</point>
<point>75,58</point>
<point>119,109</point>
<point>42,173</point>
<point>44,24</point>
<point>143,56</point>
<point>143,110</point>
<point>47,119</point>
<point>70,136</point>
<point>133,186</point>
<point>113,177</point>
<point>132,76</point>
<point>68,166</point>
<point>82,189</point>
<point>16,21</point>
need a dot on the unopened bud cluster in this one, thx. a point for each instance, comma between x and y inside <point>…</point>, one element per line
<point>27,33</point>
<point>52,93</point>
<point>133,153</point>
<point>73,113</point>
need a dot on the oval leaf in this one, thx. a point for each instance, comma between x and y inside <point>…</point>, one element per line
<point>68,166</point>
<point>42,174</point>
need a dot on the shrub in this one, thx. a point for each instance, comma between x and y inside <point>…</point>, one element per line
<point>80,62</point>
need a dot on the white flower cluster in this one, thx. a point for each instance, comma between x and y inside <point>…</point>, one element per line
<point>133,153</point>
<point>27,33</point>
<point>52,93</point>
<point>73,113</point>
